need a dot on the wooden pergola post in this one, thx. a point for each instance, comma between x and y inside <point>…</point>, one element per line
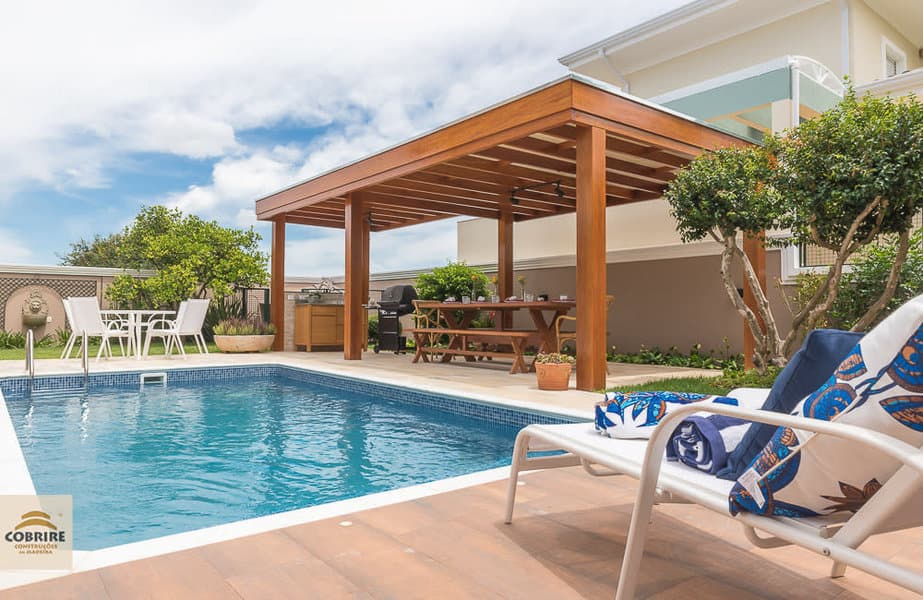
<point>277,282</point>
<point>505,259</point>
<point>357,276</point>
<point>755,249</point>
<point>591,258</point>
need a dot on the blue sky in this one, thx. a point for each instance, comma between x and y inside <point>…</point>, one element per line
<point>206,106</point>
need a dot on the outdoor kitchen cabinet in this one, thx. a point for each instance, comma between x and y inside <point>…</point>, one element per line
<point>318,325</point>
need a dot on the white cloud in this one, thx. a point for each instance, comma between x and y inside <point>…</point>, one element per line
<point>193,78</point>
<point>322,255</point>
<point>13,250</point>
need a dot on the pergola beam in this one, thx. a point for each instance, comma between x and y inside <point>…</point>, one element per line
<point>591,258</point>
<point>357,276</point>
<point>277,283</point>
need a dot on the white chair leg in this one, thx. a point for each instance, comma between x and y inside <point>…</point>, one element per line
<point>637,531</point>
<point>69,346</point>
<point>520,452</point>
<point>102,346</point>
<point>179,343</point>
<point>204,345</point>
<point>147,344</point>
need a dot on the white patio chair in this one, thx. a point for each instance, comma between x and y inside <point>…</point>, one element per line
<point>69,346</point>
<point>86,317</point>
<point>190,317</point>
<point>897,505</point>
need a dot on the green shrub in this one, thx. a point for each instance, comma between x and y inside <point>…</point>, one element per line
<point>455,279</point>
<point>221,309</point>
<point>865,281</point>
<point>10,340</point>
<point>737,378</point>
<point>244,327</point>
<point>674,358</point>
<point>373,328</point>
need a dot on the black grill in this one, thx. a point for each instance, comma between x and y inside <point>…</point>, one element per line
<point>395,302</point>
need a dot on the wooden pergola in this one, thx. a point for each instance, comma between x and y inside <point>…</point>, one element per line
<point>573,145</point>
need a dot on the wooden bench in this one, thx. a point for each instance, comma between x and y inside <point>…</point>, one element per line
<point>424,338</point>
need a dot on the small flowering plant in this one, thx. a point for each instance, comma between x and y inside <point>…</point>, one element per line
<point>554,358</point>
<point>522,285</point>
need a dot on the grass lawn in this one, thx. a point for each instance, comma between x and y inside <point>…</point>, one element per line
<point>55,351</point>
<point>718,386</point>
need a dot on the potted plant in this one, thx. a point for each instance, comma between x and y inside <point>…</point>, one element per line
<point>553,370</point>
<point>244,335</point>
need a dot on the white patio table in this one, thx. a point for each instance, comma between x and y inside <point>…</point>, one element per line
<point>137,320</point>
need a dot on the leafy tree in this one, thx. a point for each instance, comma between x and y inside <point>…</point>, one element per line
<point>455,279</point>
<point>193,258</point>
<point>838,181</point>
<point>850,175</point>
<point>98,252</point>
<point>720,195</point>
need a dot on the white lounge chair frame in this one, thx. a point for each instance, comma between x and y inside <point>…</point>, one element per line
<point>836,536</point>
<point>190,317</point>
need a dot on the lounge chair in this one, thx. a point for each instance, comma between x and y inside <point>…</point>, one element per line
<point>863,424</point>
<point>190,317</point>
<point>836,536</point>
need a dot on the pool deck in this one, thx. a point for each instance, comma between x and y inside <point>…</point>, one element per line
<point>449,541</point>
<point>565,542</point>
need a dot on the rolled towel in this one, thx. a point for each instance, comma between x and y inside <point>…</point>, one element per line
<point>704,442</point>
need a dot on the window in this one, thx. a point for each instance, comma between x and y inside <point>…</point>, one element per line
<point>894,60</point>
<point>890,66</point>
<point>808,258</point>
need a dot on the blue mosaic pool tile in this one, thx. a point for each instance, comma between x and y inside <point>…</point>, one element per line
<point>17,386</point>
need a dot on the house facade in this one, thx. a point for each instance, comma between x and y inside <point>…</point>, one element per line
<point>747,66</point>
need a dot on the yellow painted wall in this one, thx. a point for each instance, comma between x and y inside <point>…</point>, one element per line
<point>814,33</point>
<point>867,29</point>
<point>628,227</point>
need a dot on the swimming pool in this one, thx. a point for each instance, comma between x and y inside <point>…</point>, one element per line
<point>216,446</point>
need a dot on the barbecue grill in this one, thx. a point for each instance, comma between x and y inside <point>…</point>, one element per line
<point>396,301</point>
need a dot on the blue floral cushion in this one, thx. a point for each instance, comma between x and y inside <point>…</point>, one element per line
<point>820,354</point>
<point>877,386</point>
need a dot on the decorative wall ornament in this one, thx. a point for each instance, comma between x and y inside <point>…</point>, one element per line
<point>34,310</point>
<point>64,287</point>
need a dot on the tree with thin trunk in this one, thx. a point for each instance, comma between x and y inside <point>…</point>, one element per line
<point>838,181</point>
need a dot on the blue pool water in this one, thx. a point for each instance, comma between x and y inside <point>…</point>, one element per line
<point>151,462</point>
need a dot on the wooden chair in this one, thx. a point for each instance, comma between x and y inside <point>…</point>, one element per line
<point>430,319</point>
<point>564,336</point>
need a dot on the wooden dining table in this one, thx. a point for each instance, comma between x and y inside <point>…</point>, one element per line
<point>544,313</point>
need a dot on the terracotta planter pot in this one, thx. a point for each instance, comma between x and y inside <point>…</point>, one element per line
<point>553,376</point>
<point>244,343</point>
